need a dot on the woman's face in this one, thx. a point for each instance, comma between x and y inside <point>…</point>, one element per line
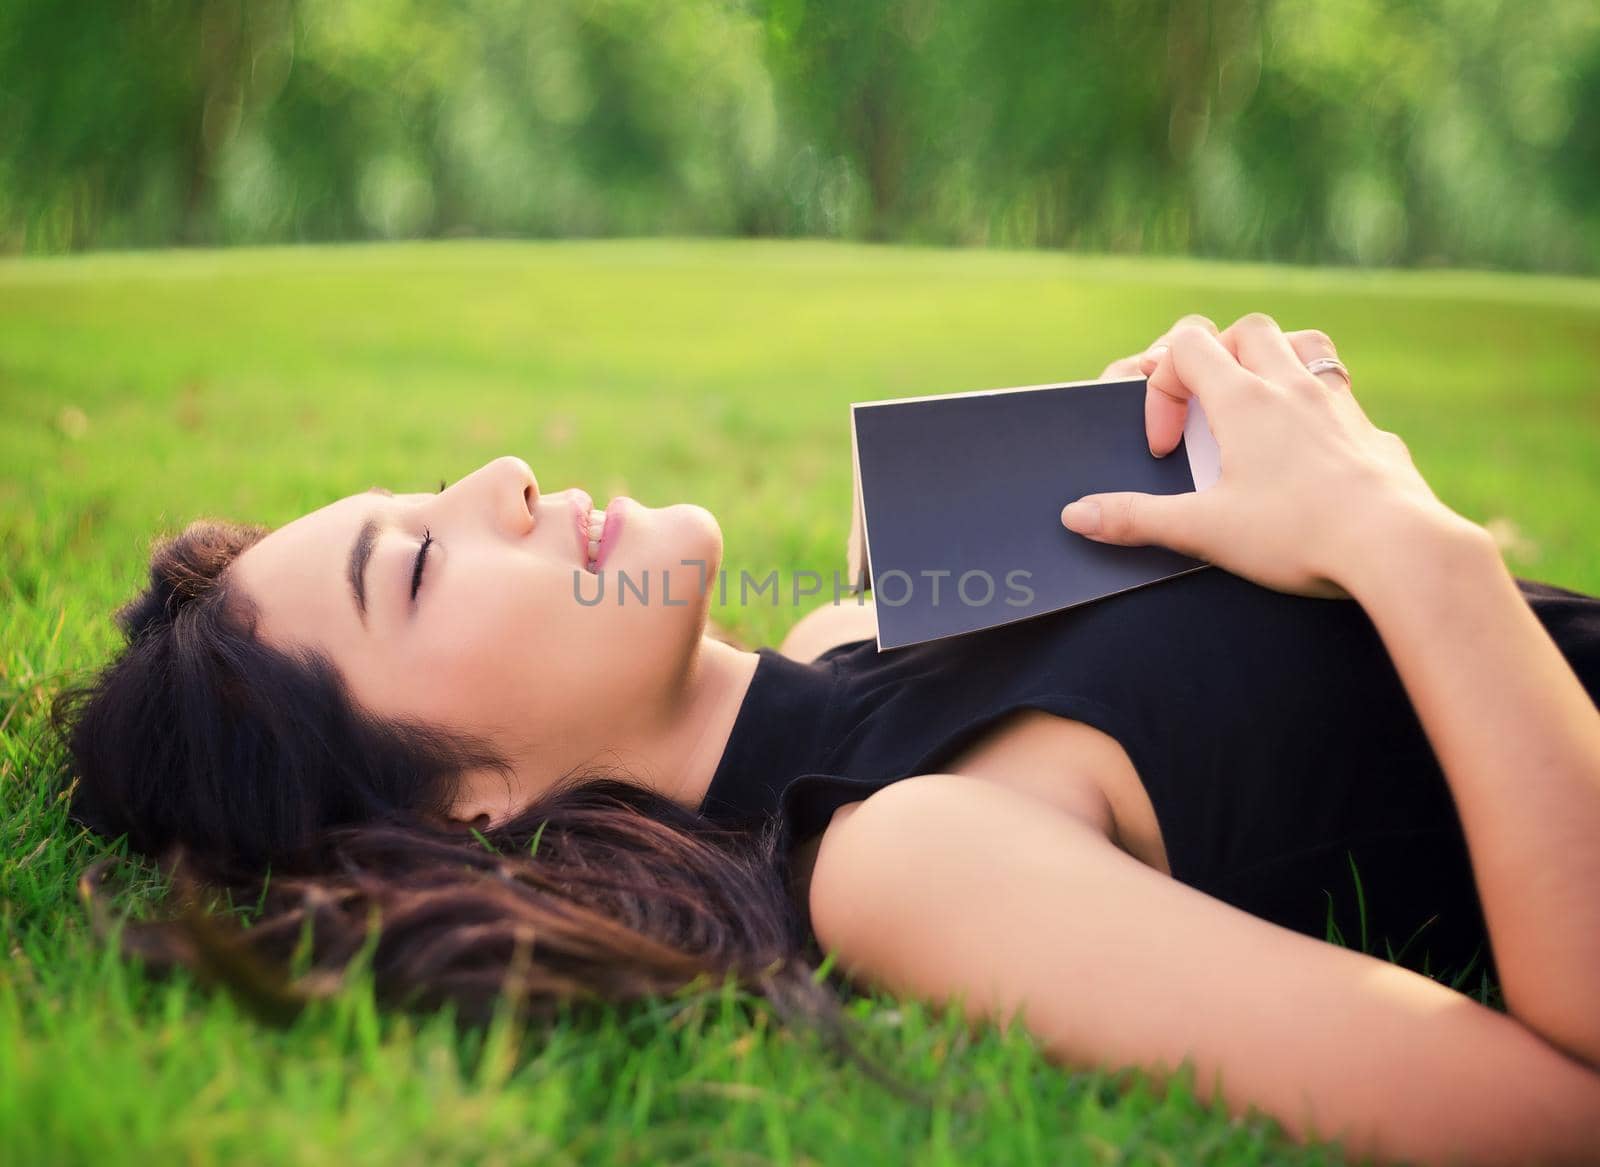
<point>503,638</point>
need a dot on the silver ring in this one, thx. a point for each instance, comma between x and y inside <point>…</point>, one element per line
<point>1329,365</point>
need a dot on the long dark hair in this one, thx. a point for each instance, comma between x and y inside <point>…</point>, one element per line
<point>250,775</point>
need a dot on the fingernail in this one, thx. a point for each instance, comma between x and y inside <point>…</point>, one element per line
<point>1082,516</point>
<point>1152,358</point>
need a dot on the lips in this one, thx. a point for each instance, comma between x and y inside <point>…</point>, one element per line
<point>616,516</point>
<point>610,530</point>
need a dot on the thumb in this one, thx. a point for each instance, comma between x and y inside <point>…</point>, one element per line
<point>1130,519</point>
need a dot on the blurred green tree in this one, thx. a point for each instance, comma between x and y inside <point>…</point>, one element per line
<point>1368,131</point>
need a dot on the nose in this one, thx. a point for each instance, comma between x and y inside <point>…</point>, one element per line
<point>508,488</point>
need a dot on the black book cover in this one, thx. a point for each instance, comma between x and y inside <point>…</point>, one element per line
<point>956,519</point>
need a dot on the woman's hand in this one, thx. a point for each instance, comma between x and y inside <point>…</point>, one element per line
<point>1309,489</point>
<point>1164,411</point>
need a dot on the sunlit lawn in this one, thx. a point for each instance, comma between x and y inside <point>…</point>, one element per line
<point>139,391</point>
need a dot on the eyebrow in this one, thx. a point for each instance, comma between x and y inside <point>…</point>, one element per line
<point>360,555</point>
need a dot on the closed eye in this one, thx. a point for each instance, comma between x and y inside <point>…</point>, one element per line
<point>416,567</point>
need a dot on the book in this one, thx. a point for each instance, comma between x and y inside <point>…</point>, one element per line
<point>956,514</point>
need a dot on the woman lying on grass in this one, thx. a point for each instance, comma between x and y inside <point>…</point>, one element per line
<point>1130,823</point>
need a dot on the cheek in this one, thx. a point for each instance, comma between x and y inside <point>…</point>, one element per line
<point>494,657</point>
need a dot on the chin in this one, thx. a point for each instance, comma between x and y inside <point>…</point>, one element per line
<point>697,529</point>
<point>670,540</point>
<point>694,512</point>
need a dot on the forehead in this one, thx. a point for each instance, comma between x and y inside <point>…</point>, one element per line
<point>295,576</point>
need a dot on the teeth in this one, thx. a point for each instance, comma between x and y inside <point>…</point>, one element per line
<point>597,523</point>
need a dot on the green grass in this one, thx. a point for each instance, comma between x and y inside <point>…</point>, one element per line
<point>138,391</point>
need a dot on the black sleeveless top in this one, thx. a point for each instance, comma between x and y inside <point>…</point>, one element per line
<point>1287,769</point>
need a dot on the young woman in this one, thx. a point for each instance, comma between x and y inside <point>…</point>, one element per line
<point>1129,824</point>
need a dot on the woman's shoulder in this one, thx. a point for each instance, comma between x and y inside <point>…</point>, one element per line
<point>828,627</point>
<point>863,847</point>
<point>959,790</point>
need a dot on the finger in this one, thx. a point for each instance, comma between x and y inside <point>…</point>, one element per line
<point>1309,345</point>
<point>1151,355</point>
<point>1259,344</point>
<point>1196,365</point>
<point>1166,409</point>
<point>1192,320</point>
<point>1164,413</point>
<point>1130,519</point>
<point>1126,367</point>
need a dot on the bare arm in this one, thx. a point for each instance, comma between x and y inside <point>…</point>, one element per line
<point>948,887</point>
<point>1519,741</point>
<point>1315,499</point>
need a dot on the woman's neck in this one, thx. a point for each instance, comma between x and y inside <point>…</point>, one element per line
<point>686,755</point>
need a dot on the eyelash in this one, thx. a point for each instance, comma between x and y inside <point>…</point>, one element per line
<point>422,552</point>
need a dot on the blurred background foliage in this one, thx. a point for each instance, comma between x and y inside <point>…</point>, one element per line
<point>1462,132</point>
